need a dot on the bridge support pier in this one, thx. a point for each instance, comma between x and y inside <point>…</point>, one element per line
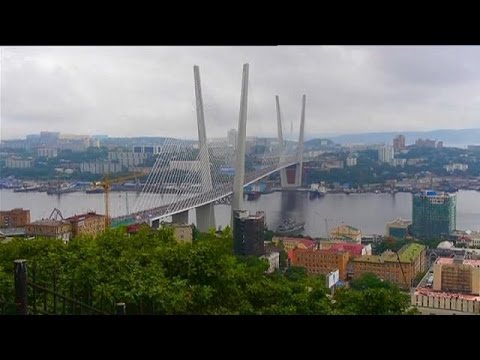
<point>205,217</point>
<point>291,177</point>
<point>180,218</point>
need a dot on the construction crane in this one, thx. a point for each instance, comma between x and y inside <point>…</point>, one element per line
<point>106,184</point>
<point>401,268</point>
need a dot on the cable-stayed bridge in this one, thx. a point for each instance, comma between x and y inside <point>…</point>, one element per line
<point>186,176</point>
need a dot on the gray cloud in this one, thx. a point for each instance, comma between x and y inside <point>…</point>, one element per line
<point>134,91</point>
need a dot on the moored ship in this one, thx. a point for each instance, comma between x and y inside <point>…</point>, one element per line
<point>290,227</point>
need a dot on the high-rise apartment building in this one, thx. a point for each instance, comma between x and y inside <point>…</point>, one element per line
<point>385,154</point>
<point>399,143</point>
<point>248,233</point>
<point>434,214</point>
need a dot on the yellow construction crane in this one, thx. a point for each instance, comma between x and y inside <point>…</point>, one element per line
<point>106,184</point>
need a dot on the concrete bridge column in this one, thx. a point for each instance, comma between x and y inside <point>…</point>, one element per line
<point>205,217</point>
<point>239,178</point>
<point>205,214</point>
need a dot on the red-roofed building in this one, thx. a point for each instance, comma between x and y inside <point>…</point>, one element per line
<point>290,243</point>
<point>353,249</point>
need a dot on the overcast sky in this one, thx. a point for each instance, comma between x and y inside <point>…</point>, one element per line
<point>148,91</point>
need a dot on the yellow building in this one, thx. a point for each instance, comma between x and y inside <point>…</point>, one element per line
<point>87,224</point>
<point>457,275</point>
<point>454,289</point>
<point>400,270</point>
<point>346,233</point>
<point>321,262</point>
<point>58,229</point>
<point>290,243</point>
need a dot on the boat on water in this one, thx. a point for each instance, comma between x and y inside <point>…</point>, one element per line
<point>290,227</point>
<point>317,190</point>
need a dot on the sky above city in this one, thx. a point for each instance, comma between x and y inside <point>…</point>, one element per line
<point>149,91</point>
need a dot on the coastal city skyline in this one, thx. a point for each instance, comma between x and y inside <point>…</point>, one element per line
<point>238,201</point>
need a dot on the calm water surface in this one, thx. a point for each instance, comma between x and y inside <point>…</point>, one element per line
<point>368,212</point>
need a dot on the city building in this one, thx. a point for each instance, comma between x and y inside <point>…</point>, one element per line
<point>455,166</point>
<point>385,154</point>
<point>398,229</point>
<point>76,143</point>
<point>434,214</point>
<point>399,162</point>
<point>457,274</point>
<point>353,250</point>
<point>57,229</point>
<point>346,233</point>
<point>453,288</point>
<point>14,218</point>
<point>290,243</point>
<point>439,144</point>
<point>427,143</point>
<point>19,163</point>
<point>248,233</point>
<point>474,147</point>
<point>321,262</point>
<point>90,223</point>
<point>7,234</point>
<point>47,152</point>
<point>399,143</point>
<point>46,138</point>
<point>273,259</point>
<point>127,159</point>
<point>351,161</point>
<point>468,238</point>
<point>99,167</point>
<point>399,268</point>
<point>148,149</point>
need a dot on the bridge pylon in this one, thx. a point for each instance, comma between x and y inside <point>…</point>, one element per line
<point>291,177</point>
<point>239,178</point>
<point>205,214</point>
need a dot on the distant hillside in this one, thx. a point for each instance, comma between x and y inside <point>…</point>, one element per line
<point>459,138</point>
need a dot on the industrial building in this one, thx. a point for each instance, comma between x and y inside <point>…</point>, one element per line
<point>433,214</point>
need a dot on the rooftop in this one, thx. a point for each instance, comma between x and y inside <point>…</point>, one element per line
<point>449,261</point>
<point>49,222</point>
<point>354,249</point>
<point>446,295</point>
<point>406,254</point>
<point>399,222</point>
<point>84,216</point>
<point>347,227</point>
<point>12,231</point>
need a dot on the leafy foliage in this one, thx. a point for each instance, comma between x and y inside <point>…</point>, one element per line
<point>153,274</point>
<point>368,295</point>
